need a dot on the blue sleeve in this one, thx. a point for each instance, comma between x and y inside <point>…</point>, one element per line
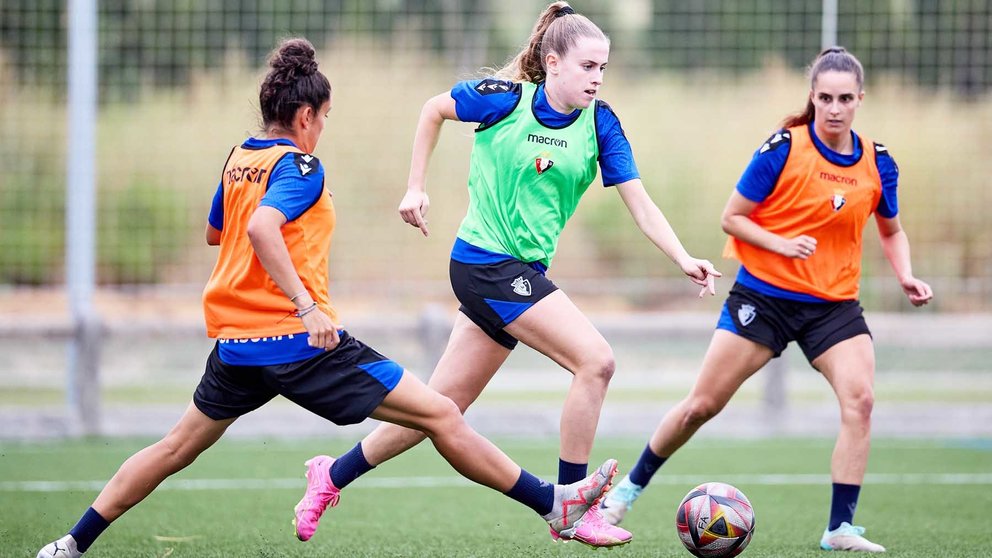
<point>216,217</point>
<point>485,101</point>
<point>296,184</point>
<point>888,204</point>
<point>616,159</point>
<point>766,166</point>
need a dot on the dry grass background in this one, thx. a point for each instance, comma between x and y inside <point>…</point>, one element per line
<point>692,137</point>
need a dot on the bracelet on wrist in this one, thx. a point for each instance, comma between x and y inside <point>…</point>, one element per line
<point>297,295</point>
<point>307,310</point>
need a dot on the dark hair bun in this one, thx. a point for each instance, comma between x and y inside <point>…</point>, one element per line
<point>295,58</point>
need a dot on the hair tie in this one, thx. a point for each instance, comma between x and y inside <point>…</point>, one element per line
<point>564,11</point>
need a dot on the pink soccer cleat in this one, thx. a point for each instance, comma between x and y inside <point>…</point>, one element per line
<point>321,492</point>
<point>572,501</point>
<point>594,530</point>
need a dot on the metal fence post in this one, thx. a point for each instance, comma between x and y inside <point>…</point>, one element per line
<point>774,401</point>
<point>435,328</point>
<point>83,387</point>
<point>828,30</point>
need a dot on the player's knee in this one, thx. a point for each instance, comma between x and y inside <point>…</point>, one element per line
<point>600,367</point>
<point>446,418</point>
<point>698,410</point>
<point>175,453</point>
<point>859,406</point>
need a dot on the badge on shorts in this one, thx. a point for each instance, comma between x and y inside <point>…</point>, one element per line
<point>746,314</point>
<point>521,286</point>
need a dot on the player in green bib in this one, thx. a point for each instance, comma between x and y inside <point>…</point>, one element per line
<point>542,134</point>
<point>526,180</point>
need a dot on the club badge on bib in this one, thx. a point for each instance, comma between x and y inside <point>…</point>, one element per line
<point>542,164</point>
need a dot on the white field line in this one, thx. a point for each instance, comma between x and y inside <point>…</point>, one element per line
<point>451,481</point>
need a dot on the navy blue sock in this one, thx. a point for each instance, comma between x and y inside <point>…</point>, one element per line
<point>89,527</point>
<point>534,493</point>
<point>646,467</point>
<point>571,472</point>
<point>349,467</point>
<point>842,505</point>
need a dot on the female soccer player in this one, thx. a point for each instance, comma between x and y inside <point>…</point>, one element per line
<point>268,306</point>
<point>795,223</point>
<point>541,133</point>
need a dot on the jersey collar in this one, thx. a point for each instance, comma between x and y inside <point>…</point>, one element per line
<point>838,159</point>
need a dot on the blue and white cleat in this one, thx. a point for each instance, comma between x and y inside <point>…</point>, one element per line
<point>848,537</point>
<point>62,548</point>
<point>618,501</point>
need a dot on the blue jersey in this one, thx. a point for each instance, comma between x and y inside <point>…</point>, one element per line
<point>762,173</point>
<point>292,193</point>
<point>496,99</point>
<point>289,191</point>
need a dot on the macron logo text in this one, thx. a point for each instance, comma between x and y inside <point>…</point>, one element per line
<point>534,138</point>
<point>838,178</point>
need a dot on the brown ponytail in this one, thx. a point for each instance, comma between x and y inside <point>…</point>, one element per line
<point>835,59</point>
<point>557,30</point>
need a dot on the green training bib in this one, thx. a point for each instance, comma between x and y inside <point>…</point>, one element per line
<point>526,180</point>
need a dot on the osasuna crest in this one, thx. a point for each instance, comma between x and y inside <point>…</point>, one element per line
<point>746,314</point>
<point>838,201</point>
<point>542,164</point>
<point>521,286</point>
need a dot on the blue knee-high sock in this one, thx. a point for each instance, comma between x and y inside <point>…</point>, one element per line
<point>646,467</point>
<point>533,492</point>
<point>843,503</point>
<point>571,472</point>
<point>89,527</point>
<point>349,467</point>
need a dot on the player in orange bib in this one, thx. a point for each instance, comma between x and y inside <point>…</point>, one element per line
<point>267,305</point>
<point>795,223</point>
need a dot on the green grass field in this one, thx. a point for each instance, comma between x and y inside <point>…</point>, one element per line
<point>922,499</point>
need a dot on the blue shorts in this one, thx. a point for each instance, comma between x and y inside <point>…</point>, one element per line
<point>494,294</point>
<point>344,385</point>
<point>774,322</point>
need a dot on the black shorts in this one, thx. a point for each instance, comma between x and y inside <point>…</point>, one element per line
<point>344,385</point>
<point>774,322</point>
<point>493,295</point>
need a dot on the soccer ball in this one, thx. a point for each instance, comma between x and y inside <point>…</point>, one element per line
<point>715,520</point>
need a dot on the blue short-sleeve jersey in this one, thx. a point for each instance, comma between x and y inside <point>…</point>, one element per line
<point>766,166</point>
<point>490,100</point>
<point>288,191</point>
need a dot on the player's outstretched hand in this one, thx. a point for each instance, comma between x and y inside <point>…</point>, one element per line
<point>918,292</point>
<point>414,208</point>
<point>702,273</point>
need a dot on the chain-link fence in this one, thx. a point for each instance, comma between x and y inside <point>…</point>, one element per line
<point>698,86</point>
